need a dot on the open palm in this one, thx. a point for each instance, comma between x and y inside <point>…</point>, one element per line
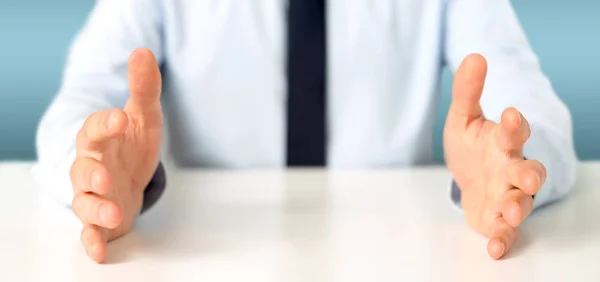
<point>117,154</point>
<point>486,160</point>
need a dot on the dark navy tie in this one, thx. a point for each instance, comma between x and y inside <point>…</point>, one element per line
<point>306,83</point>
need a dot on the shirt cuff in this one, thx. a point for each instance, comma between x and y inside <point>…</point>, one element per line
<point>155,188</point>
<point>455,195</point>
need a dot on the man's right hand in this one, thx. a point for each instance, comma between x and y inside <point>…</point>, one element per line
<point>117,155</point>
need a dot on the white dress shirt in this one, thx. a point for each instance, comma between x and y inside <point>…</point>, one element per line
<point>223,64</point>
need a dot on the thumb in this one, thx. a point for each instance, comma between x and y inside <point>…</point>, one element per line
<point>144,83</point>
<point>467,89</point>
<point>503,237</point>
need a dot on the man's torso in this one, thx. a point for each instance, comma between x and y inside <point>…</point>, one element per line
<point>225,84</point>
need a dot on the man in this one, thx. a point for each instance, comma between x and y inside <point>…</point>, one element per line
<point>303,83</point>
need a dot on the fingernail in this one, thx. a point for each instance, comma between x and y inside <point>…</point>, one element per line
<point>92,250</point>
<point>95,180</point>
<point>502,249</point>
<point>103,213</point>
<point>112,120</point>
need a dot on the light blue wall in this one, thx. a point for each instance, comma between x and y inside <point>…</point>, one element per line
<point>35,35</point>
<point>34,38</point>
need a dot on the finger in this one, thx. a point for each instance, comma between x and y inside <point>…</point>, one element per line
<point>99,127</point>
<point>144,83</point>
<point>527,175</point>
<point>502,239</point>
<point>467,89</point>
<point>515,206</point>
<point>513,131</point>
<point>94,240</point>
<point>93,209</point>
<point>89,175</point>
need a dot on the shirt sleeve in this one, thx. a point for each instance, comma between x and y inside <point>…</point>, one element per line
<point>95,79</point>
<point>155,188</point>
<point>515,79</point>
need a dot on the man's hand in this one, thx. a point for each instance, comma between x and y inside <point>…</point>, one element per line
<point>117,154</point>
<point>486,160</point>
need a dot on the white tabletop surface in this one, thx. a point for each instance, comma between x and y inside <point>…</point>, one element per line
<point>310,225</point>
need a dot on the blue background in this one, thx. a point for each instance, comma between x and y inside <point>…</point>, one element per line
<point>35,36</point>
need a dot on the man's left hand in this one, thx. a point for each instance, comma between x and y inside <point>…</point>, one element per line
<point>486,159</point>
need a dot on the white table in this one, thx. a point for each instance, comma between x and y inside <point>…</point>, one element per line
<point>308,225</point>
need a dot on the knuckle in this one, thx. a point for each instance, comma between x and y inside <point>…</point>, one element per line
<point>525,135</point>
<point>89,123</point>
<point>102,120</point>
<point>536,166</point>
<point>531,179</point>
<point>543,171</point>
